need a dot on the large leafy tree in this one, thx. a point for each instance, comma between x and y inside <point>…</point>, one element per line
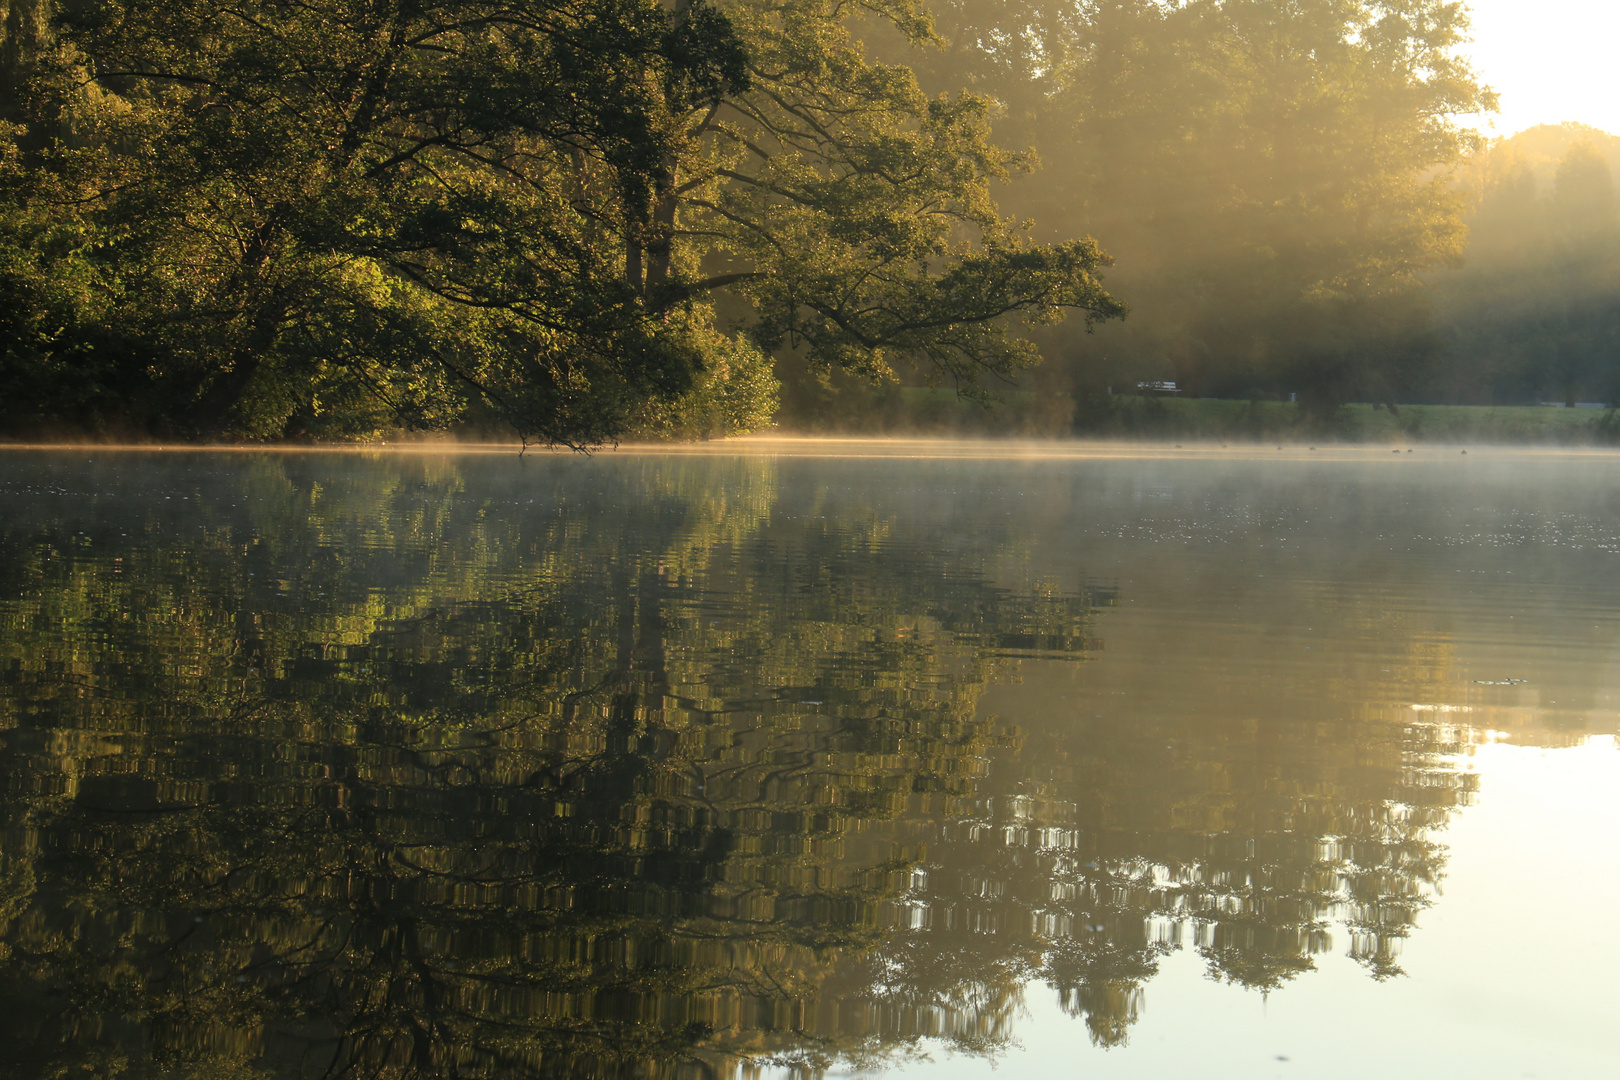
<point>284,211</point>
<point>858,207</point>
<point>272,219</point>
<point>1272,176</point>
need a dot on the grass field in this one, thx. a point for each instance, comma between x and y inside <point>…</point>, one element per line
<point>1207,418</point>
<point>1022,413</point>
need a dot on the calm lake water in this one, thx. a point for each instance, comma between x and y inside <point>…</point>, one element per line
<point>809,758</point>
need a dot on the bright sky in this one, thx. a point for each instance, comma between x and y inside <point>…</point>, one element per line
<point>1550,60</point>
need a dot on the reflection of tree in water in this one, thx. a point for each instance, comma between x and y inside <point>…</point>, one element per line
<point>1106,845</point>
<point>634,767</point>
<point>391,774</point>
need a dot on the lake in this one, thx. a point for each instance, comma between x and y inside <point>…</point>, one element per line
<point>809,758</point>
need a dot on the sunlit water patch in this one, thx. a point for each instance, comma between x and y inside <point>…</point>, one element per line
<point>768,763</point>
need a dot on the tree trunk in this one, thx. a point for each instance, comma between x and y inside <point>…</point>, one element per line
<point>665,201</point>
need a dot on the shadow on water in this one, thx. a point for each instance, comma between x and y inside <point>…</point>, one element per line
<point>660,767</point>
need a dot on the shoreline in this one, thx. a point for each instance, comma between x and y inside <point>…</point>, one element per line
<point>881,446</point>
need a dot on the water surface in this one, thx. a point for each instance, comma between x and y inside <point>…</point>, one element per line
<point>780,760</point>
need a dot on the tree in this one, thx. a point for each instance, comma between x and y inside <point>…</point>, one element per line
<point>1271,175</point>
<point>1532,314</point>
<point>287,219</point>
<point>293,212</point>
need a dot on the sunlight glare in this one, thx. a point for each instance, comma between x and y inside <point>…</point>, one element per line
<point>1550,61</point>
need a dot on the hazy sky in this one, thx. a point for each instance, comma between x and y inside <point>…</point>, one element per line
<point>1551,60</point>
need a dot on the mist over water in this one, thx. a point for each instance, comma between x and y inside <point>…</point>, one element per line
<point>807,757</point>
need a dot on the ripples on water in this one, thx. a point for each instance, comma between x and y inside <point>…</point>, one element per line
<point>647,765</point>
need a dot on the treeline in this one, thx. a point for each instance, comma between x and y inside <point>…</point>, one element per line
<point>1293,214</point>
<point>335,218</point>
<point>585,219</point>
<point>1534,312</point>
<point>1274,180</point>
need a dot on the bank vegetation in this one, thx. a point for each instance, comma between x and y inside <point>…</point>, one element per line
<point>575,221</point>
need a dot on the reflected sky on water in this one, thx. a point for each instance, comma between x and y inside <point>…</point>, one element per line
<point>776,761</point>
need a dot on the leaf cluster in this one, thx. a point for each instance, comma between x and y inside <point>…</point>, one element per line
<point>332,219</point>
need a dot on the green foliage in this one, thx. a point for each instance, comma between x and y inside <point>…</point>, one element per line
<point>1270,175</point>
<point>736,393</point>
<point>325,220</point>
<point>312,219</point>
<point>861,214</point>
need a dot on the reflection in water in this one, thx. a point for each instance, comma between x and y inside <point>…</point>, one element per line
<point>321,767</point>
